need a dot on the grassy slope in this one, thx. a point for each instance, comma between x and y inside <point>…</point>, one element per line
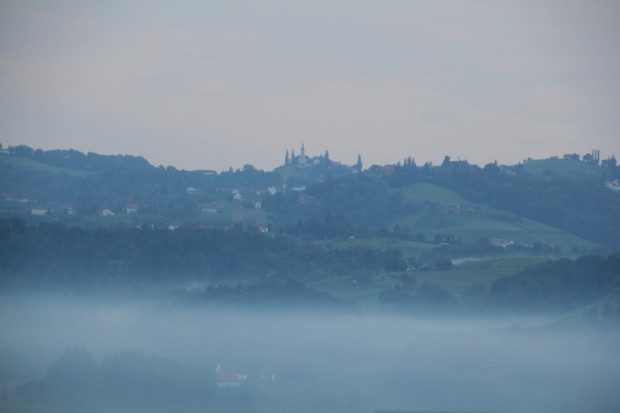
<point>423,192</point>
<point>563,168</point>
<point>481,272</point>
<point>457,280</point>
<point>469,226</point>
<point>34,166</point>
<point>477,221</point>
<point>408,248</point>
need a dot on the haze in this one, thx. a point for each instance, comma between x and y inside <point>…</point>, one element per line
<point>208,85</point>
<point>339,363</point>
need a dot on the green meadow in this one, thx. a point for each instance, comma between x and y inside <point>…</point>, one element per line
<point>34,166</point>
<point>450,214</point>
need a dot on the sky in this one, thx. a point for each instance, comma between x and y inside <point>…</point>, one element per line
<point>215,84</point>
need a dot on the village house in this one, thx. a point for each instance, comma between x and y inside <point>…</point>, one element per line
<point>306,199</point>
<point>68,210</point>
<point>131,208</point>
<point>228,378</point>
<point>174,225</point>
<point>210,208</point>
<point>501,242</point>
<point>613,185</point>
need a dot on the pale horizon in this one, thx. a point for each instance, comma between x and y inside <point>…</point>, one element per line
<point>213,85</point>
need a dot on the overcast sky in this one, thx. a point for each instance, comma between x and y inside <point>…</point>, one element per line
<point>213,84</point>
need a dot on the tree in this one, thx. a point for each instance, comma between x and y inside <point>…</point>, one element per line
<point>610,162</point>
<point>393,260</point>
<point>22,151</point>
<point>434,296</point>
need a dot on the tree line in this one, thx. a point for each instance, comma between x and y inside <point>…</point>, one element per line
<point>52,254</point>
<point>559,285</point>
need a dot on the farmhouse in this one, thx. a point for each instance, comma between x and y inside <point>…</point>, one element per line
<point>131,208</point>
<point>501,242</point>
<point>228,378</point>
<point>613,185</point>
<point>210,208</point>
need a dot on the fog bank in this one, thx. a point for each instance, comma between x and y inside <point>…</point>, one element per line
<point>339,363</point>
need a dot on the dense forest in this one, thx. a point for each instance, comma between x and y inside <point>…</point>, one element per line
<point>559,285</point>
<point>100,257</point>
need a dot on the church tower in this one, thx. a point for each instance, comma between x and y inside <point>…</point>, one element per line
<point>302,157</point>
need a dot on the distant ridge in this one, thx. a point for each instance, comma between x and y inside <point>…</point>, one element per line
<point>73,159</point>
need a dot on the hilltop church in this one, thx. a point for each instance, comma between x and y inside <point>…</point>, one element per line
<point>304,161</point>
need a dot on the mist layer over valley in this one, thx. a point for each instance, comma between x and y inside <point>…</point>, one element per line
<point>316,287</point>
<point>391,207</point>
<point>225,360</point>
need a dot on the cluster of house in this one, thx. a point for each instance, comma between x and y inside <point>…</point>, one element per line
<point>594,158</point>
<point>613,185</point>
<point>36,211</point>
<point>231,377</point>
<point>133,208</point>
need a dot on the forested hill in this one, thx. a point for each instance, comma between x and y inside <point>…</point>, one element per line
<point>72,159</point>
<point>406,237</point>
<point>567,204</point>
<point>582,206</point>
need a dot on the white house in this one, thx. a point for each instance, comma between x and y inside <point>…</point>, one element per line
<point>131,208</point>
<point>502,242</point>
<point>210,208</point>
